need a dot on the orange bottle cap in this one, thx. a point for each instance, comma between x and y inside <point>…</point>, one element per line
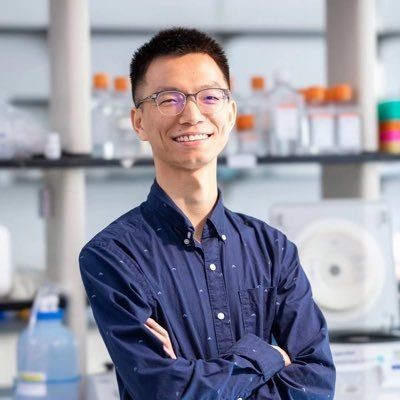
<point>257,83</point>
<point>100,81</point>
<point>244,122</point>
<point>342,93</point>
<point>329,95</point>
<point>315,94</point>
<point>121,83</point>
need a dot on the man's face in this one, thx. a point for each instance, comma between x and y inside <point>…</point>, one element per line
<point>188,74</point>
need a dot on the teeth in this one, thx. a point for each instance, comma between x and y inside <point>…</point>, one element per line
<point>191,138</point>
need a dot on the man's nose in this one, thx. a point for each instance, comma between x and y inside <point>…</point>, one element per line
<point>191,113</point>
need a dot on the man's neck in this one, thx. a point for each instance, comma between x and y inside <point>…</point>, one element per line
<point>195,193</point>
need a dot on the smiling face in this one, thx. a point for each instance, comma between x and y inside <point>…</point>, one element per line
<point>171,137</point>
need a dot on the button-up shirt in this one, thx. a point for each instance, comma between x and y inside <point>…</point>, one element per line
<point>224,302</point>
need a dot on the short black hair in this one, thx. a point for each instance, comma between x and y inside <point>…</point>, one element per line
<point>177,41</point>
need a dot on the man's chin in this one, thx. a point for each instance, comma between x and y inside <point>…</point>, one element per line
<point>192,163</point>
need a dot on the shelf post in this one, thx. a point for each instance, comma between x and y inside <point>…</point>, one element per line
<point>69,40</point>
<point>351,57</point>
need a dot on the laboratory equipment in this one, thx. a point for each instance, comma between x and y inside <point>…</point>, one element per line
<point>348,119</point>
<point>345,248</point>
<point>321,120</point>
<point>285,111</point>
<point>368,366</point>
<point>47,355</point>
<point>127,143</point>
<point>103,145</point>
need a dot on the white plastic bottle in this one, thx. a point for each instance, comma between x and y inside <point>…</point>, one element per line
<point>285,109</point>
<point>127,144</point>
<point>7,145</point>
<point>103,145</point>
<point>47,357</point>
<point>321,120</point>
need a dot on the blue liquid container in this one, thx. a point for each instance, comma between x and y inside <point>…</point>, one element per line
<point>47,360</point>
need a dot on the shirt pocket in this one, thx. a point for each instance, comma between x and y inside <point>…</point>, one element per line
<point>258,310</point>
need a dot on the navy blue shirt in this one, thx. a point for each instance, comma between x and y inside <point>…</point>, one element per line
<point>223,301</point>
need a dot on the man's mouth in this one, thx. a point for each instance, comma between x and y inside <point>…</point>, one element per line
<point>192,138</point>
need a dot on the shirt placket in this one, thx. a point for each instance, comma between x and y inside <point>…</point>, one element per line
<point>217,292</point>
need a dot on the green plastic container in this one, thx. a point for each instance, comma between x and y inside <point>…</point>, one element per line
<point>389,110</point>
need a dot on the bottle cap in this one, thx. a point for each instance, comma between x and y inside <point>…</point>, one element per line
<point>257,83</point>
<point>48,308</point>
<point>121,84</point>
<point>244,122</point>
<point>342,93</point>
<point>101,81</point>
<point>315,94</point>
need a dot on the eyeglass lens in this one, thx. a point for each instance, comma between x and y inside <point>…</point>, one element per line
<point>173,102</point>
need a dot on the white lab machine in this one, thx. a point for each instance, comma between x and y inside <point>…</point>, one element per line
<point>367,367</point>
<point>5,262</point>
<point>345,248</point>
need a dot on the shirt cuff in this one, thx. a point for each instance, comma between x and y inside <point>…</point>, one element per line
<point>269,359</point>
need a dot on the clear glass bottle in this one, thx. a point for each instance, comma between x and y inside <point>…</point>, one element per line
<point>127,144</point>
<point>285,110</point>
<point>103,145</point>
<point>257,107</point>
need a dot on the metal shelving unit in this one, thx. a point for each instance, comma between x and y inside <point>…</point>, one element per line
<point>74,161</point>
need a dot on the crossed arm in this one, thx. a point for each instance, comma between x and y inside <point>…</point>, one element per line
<point>160,333</point>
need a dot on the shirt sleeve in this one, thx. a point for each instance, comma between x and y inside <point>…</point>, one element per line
<point>122,302</point>
<point>300,329</point>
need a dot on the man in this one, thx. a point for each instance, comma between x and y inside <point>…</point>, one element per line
<point>188,295</point>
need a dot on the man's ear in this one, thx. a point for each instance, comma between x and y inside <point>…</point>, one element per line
<point>232,114</point>
<point>137,123</point>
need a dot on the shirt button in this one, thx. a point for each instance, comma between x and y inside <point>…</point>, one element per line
<point>221,315</point>
<point>239,398</point>
<point>186,241</point>
<point>223,237</point>
<point>213,267</point>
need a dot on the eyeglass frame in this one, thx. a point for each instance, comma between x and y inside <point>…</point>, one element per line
<point>227,94</point>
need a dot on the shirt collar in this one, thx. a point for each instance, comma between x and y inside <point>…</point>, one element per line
<point>159,201</point>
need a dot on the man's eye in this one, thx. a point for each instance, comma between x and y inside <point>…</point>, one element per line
<point>211,99</point>
<point>168,102</point>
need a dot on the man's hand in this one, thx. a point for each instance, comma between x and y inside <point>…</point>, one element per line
<point>161,334</point>
<point>284,355</point>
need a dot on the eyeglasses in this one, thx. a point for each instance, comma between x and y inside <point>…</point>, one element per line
<point>173,102</point>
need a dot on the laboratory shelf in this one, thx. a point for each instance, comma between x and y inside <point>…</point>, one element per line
<point>224,33</point>
<point>15,304</point>
<point>9,304</point>
<point>83,161</point>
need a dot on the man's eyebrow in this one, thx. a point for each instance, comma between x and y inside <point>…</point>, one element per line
<point>213,84</point>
